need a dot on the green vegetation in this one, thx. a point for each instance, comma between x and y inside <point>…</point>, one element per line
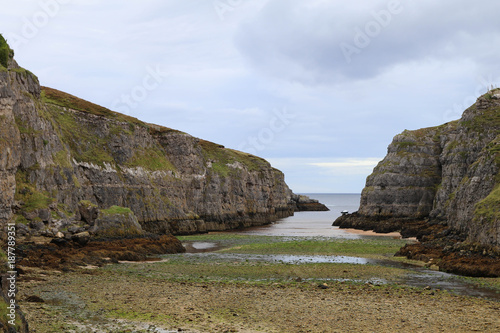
<point>84,144</point>
<point>25,73</point>
<point>204,269</point>
<point>113,210</point>
<point>160,130</point>
<point>406,144</point>
<point>249,268</point>
<point>488,207</point>
<point>4,319</point>
<point>221,158</point>
<point>491,283</point>
<point>56,97</point>
<point>26,192</point>
<point>6,52</point>
<point>152,159</point>
<point>24,128</point>
<point>62,159</point>
<point>494,149</point>
<point>367,248</point>
<point>358,247</point>
<point>118,129</point>
<point>20,219</point>
<point>3,257</point>
<point>87,203</point>
<point>75,181</point>
<point>489,119</point>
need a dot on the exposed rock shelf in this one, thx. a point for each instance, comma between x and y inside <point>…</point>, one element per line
<point>302,203</point>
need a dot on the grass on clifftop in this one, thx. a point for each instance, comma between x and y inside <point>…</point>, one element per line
<point>488,119</point>
<point>221,157</point>
<point>53,96</point>
<point>5,52</point>
<point>88,144</point>
<point>57,97</point>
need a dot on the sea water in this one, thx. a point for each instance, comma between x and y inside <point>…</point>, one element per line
<point>313,223</point>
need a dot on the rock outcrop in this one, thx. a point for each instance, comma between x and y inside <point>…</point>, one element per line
<point>57,150</point>
<point>447,175</point>
<point>116,222</point>
<point>302,203</point>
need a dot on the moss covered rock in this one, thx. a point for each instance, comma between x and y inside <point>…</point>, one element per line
<point>116,222</point>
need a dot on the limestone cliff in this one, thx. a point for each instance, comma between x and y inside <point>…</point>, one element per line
<point>447,175</point>
<point>57,150</point>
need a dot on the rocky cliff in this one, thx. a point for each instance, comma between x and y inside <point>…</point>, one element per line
<point>57,150</point>
<point>444,176</point>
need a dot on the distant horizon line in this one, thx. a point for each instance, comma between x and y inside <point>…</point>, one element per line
<point>308,193</point>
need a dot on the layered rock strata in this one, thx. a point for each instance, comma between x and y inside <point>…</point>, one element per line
<point>447,175</point>
<point>57,150</point>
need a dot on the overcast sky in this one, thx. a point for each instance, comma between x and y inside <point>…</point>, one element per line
<point>317,87</point>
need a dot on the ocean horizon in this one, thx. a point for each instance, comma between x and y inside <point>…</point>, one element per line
<point>313,223</point>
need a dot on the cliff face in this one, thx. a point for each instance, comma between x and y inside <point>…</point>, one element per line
<point>57,150</point>
<point>447,174</point>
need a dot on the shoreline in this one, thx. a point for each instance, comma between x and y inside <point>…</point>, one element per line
<point>394,234</point>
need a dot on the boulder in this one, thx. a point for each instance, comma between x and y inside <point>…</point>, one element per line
<point>22,229</point>
<point>75,229</point>
<point>88,211</point>
<point>44,215</point>
<point>37,225</point>
<point>81,238</point>
<point>116,222</point>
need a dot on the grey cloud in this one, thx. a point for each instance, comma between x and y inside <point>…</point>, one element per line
<point>308,41</point>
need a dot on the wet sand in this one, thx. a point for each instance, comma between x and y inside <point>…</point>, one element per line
<point>395,235</point>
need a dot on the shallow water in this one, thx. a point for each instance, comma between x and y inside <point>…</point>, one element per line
<point>280,258</point>
<point>200,247</point>
<point>418,276</point>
